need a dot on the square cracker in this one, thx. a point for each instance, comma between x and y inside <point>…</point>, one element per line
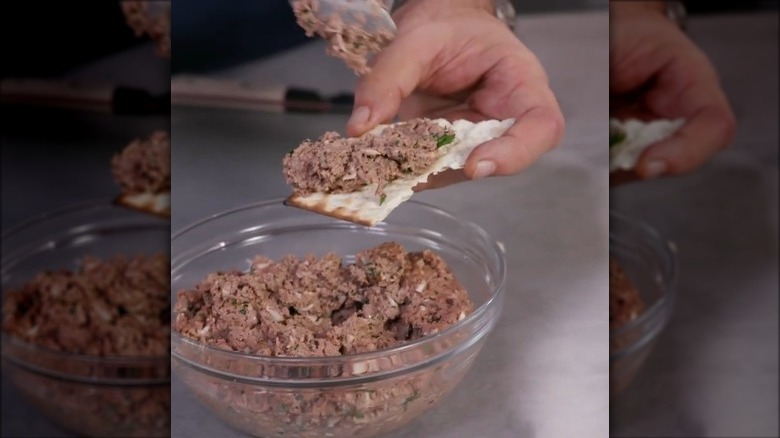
<point>639,136</point>
<point>158,204</point>
<point>366,208</point>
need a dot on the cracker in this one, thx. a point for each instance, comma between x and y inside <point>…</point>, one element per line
<point>638,136</point>
<point>366,208</point>
<point>158,204</point>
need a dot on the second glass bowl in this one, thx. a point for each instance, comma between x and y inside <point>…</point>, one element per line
<point>92,396</point>
<point>650,262</point>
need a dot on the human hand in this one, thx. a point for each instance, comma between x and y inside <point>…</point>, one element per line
<point>454,59</point>
<point>656,71</point>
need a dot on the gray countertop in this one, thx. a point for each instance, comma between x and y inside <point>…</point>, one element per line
<point>543,371</point>
<point>713,372</point>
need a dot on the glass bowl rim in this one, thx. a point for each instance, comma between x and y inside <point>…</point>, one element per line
<point>98,204</point>
<point>94,203</point>
<point>670,286</point>
<point>495,295</point>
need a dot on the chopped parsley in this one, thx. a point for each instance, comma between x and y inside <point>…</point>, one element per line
<point>369,391</point>
<point>354,412</point>
<point>444,140</point>
<point>411,398</point>
<point>382,198</point>
<point>371,271</point>
<point>616,137</point>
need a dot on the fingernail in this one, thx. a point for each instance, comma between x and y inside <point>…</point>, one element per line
<point>655,169</point>
<point>359,116</point>
<point>484,168</point>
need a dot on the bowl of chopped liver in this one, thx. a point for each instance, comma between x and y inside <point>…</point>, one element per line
<point>86,319</point>
<point>288,323</point>
<point>642,293</point>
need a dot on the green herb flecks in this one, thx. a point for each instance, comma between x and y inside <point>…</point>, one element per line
<point>616,137</point>
<point>411,398</point>
<point>444,140</point>
<point>382,198</point>
<point>371,271</point>
<point>368,391</point>
<point>354,412</point>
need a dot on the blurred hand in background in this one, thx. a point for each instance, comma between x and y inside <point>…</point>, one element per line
<point>656,71</point>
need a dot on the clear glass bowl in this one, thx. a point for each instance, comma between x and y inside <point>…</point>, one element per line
<point>650,262</point>
<point>89,395</point>
<point>344,396</point>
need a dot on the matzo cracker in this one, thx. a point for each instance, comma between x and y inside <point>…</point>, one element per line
<point>366,208</point>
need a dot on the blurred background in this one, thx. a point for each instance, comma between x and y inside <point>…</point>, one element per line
<point>80,82</point>
<point>713,370</point>
<point>72,96</point>
<point>246,31</point>
<point>252,30</point>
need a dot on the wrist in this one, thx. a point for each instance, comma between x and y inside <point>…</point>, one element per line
<point>487,5</point>
<point>421,10</point>
<point>672,11</point>
<point>443,5</point>
<point>638,7</point>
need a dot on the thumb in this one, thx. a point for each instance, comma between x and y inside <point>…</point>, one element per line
<point>395,73</point>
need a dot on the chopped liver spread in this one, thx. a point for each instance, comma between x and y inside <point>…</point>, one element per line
<point>118,307</point>
<point>144,166</point>
<point>318,306</point>
<point>334,164</point>
<point>349,42</point>
<point>625,303</point>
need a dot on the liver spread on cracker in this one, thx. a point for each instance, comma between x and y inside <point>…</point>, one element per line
<point>334,164</point>
<point>144,166</point>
